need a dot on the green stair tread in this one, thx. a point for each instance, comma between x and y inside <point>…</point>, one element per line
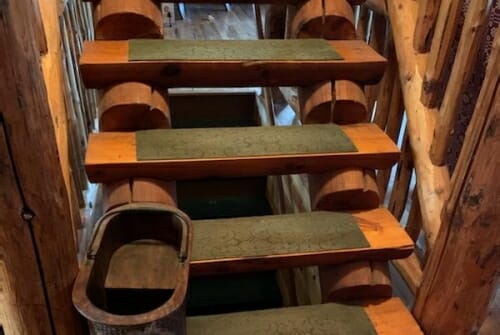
<point>276,235</point>
<point>326,319</point>
<point>226,50</point>
<point>164,144</point>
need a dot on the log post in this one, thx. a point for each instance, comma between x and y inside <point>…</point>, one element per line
<point>36,230</point>
<point>451,300</point>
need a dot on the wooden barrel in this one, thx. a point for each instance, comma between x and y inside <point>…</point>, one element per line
<point>125,19</point>
<point>133,106</point>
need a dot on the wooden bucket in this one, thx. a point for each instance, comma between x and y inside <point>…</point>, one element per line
<point>117,228</point>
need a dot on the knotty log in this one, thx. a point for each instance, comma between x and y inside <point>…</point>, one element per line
<point>427,15</point>
<point>462,275</point>
<point>433,181</point>
<point>471,40</point>
<point>121,20</point>
<point>133,106</point>
<point>333,22</point>
<point>358,280</point>
<point>444,35</point>
<point>30,135</point>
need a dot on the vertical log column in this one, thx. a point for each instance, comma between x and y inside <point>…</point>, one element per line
<point>132,106</point>
<point>341,102</point>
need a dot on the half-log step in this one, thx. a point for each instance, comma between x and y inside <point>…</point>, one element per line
<point>175,154</point>
<point>224,246</point>
<point>388,317</point>
<point>183,63</point>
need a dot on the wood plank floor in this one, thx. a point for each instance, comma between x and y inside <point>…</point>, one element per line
<point>213,22</point>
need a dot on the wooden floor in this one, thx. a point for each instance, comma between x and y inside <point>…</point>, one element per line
<point>213,22</point>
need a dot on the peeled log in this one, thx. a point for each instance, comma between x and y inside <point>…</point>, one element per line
<point>125,19</point>
<point>335,23</point>
<point>353,281</point>
<point>133,106</point>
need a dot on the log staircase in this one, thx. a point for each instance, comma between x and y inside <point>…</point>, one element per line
<point>143,166</point>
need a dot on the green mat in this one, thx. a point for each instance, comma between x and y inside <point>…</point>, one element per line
<point>276,235</point>
<point>232,50</point>
<point>169,144</point>
<point>326,319</point>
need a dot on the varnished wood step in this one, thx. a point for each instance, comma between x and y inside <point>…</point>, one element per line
<point>281,241</point>
<point>224,246</point>
<point>111,156</point>
<point>276,2</point>
<point>106,62</point>
<point>388,317</point>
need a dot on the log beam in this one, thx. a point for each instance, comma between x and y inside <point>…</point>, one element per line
<point>31,138</point>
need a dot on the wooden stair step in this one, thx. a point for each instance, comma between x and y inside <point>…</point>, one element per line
<point>274,2</point>
<point>111,156</point>
<point>292,240</point>
<point>389,317</point>
<point>224,246</point>
<point>107,62</point>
